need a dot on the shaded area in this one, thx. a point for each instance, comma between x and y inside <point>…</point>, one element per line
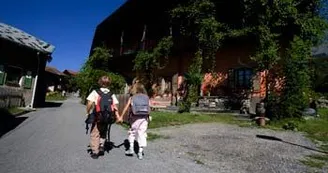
<point>110,145</point>
<point>273,138</point>
<point>9,121</point>
<point>51,104</point>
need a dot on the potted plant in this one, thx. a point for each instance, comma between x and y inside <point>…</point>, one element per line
<point>260,112</point>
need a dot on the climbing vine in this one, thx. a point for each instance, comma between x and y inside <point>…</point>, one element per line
<point>156,58</point>
<point>286,30</point>
<point>197,21</point>
<point>148,61</point>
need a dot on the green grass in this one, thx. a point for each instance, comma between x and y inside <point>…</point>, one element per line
<point>55,97</point>
<point>317,130</point>
<point>15,111</point>
<point>154,136</point>
<point>164,119</point>
<point>313,163</point>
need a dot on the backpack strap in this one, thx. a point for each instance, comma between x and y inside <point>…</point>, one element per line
<point>99,92</point>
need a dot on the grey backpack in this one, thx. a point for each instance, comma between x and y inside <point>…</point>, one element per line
<point>140,105</point>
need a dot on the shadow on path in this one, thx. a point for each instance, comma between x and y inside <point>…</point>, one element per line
<point>273,138</point>
<point>110,145</point>
<point>50,104</point>
<point>8,121</point>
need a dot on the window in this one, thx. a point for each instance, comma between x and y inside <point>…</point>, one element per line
<point>240,78</point>
<point>14,75</point>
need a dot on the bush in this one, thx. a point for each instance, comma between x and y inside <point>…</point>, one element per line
<point>55,96</point>
<point>88,80</point>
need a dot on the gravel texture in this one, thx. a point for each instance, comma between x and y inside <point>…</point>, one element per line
<point>228,148</point>
<point>53,140</point>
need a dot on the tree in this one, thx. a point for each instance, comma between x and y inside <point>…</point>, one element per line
<point>70,84</point>
<point>298,26</point>
<point>197,22</point>
<point>95,67</point>
<point>320,75</point>
<point>148,61</point>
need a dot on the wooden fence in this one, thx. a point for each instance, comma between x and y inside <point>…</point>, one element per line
<point>123,99</point>
<point>8,100</point>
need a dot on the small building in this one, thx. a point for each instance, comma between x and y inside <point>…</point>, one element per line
<point>23,59</point>
<point>54,79</point>
<point>70,73</point>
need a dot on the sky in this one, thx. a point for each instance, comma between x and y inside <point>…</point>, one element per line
<point>69,25</point>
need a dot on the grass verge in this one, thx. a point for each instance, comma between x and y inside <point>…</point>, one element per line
<point>154,136</point>
<point>55,96</point>
<point>164,119</point>
<point>315,129</point>
<point>15,111</point>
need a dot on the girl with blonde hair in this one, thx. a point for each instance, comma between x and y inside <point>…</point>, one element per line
<point>139,110</point>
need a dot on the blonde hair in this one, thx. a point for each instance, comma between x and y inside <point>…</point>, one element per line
<point>138,88</point>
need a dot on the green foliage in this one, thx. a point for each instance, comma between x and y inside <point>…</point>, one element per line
<point>70,84</point>
<point>197,20</point>
<point>152,60</point>
<point>95,67</point>
<point>99,59</point>
<point>320,75</point>
<point>290,126</point>
<point>55,96</point>
<point>287,21</point>
<point>297,84</point>
<point>267,55</point>
<point>316,129</point>
<point>148,61</point>
<point>88,80</point>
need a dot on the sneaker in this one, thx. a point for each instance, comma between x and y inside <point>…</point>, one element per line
<point>129,152</point>
<point>101,151</point>
<point>140,155</point>
<point>94,155</point>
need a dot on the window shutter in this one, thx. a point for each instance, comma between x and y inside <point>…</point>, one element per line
<point>28,81</point>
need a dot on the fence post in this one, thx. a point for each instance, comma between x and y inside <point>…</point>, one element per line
<point>123,99</point>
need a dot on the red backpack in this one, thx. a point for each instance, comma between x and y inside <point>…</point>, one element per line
<point>103,107</point>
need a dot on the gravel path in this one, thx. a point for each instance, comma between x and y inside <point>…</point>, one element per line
<point>227,148</point>
<point>53,140</point>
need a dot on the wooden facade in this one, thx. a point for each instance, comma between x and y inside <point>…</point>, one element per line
<point>124,30</point>
<point>21,67</point>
